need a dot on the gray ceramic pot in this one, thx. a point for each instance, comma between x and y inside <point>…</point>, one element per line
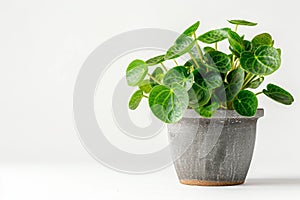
<point>213,151</point>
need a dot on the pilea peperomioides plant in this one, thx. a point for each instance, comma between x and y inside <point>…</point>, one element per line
<point>210,79</point>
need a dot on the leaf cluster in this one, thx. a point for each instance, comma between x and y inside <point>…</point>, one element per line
<point>211,79</point>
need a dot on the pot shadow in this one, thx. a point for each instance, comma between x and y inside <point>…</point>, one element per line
<point>273,182</point>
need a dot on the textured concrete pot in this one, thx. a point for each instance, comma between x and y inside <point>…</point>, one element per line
<point>215,151</point>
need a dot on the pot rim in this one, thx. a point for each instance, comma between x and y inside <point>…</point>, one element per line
<point>222,114</point>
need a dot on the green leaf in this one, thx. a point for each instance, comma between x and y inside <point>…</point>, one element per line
<point>235,80</point>
<point>214,36</point>
<point>236,42</point>
<point>234,52</point>
<point>207,110</point>
<point>192,29</point>
<point>278,94</point>
<point>199,94</point>
<point>182,45</point>
<point>180,75</point>
<point>219,60</point>
<point>262,39</point>
<point>168,103</point>
<point>248,45</point>
<point>212,80</point>
<point>242,22</point>
<point>194,51</point>
<point>203,67</point>
<point>136,72</point>
<point>245,103</point>
<point>264,61</point>
<point>145,86</point>
<point>255,83</point>
<point>208,49</point>
<point>155,60</point>
<point>158,74</point>
<point>135,99</point>
<point>279,51</point>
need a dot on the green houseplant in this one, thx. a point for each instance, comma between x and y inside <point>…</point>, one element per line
<point>210,81</point>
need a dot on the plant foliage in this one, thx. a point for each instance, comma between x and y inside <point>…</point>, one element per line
<point>211,79</point>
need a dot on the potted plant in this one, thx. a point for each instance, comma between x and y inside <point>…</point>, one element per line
<point>207,101</point>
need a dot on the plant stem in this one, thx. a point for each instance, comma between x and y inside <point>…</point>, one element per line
<point>221,106</point>
<point>145,96</point>
<point>258,93</point>
<point>229,105</point>
<point>236,64</point>
<point>248,78</point>
<point>236,28</point>
<point>199,51</point>
<point>198,48</point>
<point>233,63</point>
<point>154,79</point>
<point>175,62</point>
<point>216,46</point>
<point>194,59</point>
<point>164,67</point>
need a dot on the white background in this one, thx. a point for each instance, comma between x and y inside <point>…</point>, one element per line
<point>42,47</point>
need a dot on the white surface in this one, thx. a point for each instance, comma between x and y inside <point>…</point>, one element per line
<point>43,45</point>
<point>79,181</point>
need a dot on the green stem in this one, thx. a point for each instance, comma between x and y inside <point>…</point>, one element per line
<point>164,67</point>
<point>216,46</point>
<point>236,28</point>
<point>258,93</point>
<point>194,59</point>
<point>175,62</point>
<point>233,63</point>
<point>248,78</point>
<point>224,107</point>
<point>229,105</point>
<point>237,63</point>
<point>154,79</point>
<point>198,48</point>
<point>145,96</point>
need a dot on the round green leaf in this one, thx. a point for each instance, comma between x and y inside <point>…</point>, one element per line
<point>192,29</point>
<point>245,103</point>
<point>168,103</point>
<point>208,49</point>
<point>210,79</point>
<point>199,95</point>
<point>194,51</point>
<point>180,75</point>
<point>255,83</point>
<point>182,45</point>
<point>242,22</point>
<point>213,80</point>
<point>214,36</point>
<point>279,51</point>
<point>236,42</point>
<point>145,86</point>
<point>262,39</point>
<point>155,60</point>
<point>158,74</point>
<point>235,80</point>
<point>203,67</point>
<point>248,45</point>
<point>278,94</point>
<point>135,99</point>
<point>207,110</point>
<point>264,61</point>
<point>136,72</point>
<point>219,60</point>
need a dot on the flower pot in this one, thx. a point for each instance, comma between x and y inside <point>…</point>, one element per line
<point>213,151</point>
